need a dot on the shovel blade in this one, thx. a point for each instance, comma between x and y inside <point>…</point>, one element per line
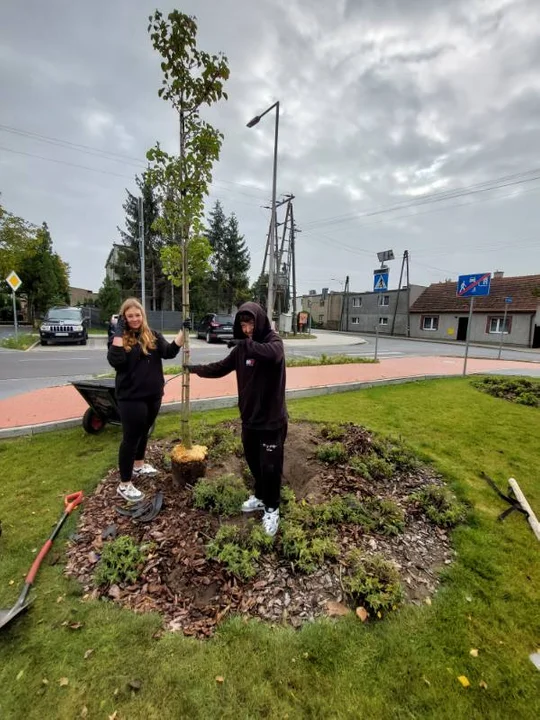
<point>6,616</point>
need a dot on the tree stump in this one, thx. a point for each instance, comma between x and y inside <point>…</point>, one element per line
<point>188,464</point>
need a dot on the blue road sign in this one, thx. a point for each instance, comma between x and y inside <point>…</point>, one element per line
<point>473,285</point>
<point>508,300</point>
<point>380,280</point>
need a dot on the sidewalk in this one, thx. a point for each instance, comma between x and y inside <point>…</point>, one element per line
<point>57,407</point>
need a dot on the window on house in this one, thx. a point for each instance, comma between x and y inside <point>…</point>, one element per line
<point>355,321</point>
<point>384,300</point>
<point>383,321</point>
<point>321,302</point>
<point>357,302</point>
<point>495,325</point>
<point>430,322</point>
<point>321,318</point>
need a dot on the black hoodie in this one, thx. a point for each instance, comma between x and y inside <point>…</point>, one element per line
<point>140,376</point>
<point>260,372</point>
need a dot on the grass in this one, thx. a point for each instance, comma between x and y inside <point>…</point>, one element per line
<point>403,667</point>
<point>22,342</point>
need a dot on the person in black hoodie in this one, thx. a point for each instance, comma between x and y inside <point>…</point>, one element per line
<point>259,361</point>
<point>136,353</point>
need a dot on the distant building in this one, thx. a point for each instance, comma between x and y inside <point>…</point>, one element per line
<point>112,261</point>
<point>385,312</point>
<point>324,308</point>
<point>78,296</point>
<point>439,314</point>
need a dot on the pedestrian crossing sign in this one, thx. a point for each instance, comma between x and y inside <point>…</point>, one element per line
<point>380,280</point>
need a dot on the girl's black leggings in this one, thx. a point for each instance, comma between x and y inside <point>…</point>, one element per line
<point>137,418</point>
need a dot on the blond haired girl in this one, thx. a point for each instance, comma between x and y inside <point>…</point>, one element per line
<point>136,353</point>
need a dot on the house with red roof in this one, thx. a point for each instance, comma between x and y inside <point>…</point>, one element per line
<point>440,314</point>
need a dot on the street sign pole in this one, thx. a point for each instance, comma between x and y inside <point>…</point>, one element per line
<point>15,314</point>
<point>502,330</point>
<point>468,336</point>
<point>376,340</point>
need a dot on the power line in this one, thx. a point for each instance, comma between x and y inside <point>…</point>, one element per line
<point>433,198</point>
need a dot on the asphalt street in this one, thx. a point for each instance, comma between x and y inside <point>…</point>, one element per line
<point>59,364</point>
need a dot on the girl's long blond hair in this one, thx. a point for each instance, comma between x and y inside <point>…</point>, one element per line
<point>146,339</point>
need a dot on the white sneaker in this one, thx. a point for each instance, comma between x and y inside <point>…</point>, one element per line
<point>270,522</point>
<point>145,469</point>
<point>129,492</point>
<point>252,504</point>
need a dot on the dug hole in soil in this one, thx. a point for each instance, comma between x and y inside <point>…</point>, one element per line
<point>194,594</point>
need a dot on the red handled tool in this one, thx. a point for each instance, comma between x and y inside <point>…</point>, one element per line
<point>6,616</point>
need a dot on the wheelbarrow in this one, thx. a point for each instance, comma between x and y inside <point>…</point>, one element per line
<point>6,616</point>
<point>100,396</point>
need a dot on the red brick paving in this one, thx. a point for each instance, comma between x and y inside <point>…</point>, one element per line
<point>64,402</point>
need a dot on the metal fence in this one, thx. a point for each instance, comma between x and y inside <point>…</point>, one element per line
<point>157,319</point>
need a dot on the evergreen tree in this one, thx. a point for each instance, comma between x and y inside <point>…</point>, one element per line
<point>44,275</point>
<point>216,237</point>
<point>109,299</point>
<point>236,262</point>
<point>259,290</point>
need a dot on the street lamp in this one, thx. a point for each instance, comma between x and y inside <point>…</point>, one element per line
<point>271,260</point>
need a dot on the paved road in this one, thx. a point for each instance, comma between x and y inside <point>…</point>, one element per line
<point>57,365</point>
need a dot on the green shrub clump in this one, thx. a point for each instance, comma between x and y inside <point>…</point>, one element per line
<point>121,561</point>
<point>239,549</point>
<point>372,583</point>
<point>223,495</point>
<point>332,453</point>
<point>440,505</point>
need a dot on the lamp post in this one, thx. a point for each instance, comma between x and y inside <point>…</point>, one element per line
<point>271,255</point>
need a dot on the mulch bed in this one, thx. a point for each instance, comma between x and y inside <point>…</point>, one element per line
<point>194,594</point>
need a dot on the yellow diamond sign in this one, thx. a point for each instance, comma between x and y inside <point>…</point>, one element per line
<point>14,281</point>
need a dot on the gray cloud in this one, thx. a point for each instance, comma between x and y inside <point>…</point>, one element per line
<point>382,101</point>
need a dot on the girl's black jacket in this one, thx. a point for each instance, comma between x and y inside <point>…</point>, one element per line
<point>138,375</point>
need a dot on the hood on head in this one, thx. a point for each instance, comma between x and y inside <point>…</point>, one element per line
<point>262,323</point>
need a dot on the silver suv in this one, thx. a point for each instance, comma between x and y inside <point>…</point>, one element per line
<point>64,324</point>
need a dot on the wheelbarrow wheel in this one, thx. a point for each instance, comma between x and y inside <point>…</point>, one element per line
<point>92,423</point>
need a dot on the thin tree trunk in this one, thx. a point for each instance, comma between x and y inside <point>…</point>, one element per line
<point>184,232</point>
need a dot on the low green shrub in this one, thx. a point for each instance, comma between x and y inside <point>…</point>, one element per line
<point>121,561</point>
<point>239,549</point>
<point>372,582</point>
<point>306,548</point>
<point>333,432</point>
<point>223,495</point>
<point>440,505</point>
<point>331,453</point>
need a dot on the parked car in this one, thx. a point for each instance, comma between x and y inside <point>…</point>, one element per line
<point>64,324</point>
<point>215,326</point>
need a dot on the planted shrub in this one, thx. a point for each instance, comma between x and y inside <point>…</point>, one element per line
<point>440,505</point>
<point>359,466</point>
<point>239,549</point>
<point>373,583</point>
<point>223,495</point>
<point>520,390</point>
<point>379,468</point>
<point>333,432</point>
<point>332,453</point>
<point>121,561</point>
<point>306,548</point>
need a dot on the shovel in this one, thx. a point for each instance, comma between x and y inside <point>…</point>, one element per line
<point>6,616</point>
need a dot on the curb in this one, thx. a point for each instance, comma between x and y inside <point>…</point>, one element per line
<point>226,401</point>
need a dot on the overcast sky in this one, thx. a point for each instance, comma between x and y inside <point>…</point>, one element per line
<point>383,102</point>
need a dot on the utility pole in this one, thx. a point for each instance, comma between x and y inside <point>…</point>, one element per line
<point>405,255</point>
<point>293,266</point>
<point>408,295</point>
<point>141,246</point>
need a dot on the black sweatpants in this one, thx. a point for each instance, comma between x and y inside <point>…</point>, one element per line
<point>137,418</point>
<point>264,455</point>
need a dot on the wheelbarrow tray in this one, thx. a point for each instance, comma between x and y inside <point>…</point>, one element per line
<point>100,395</point>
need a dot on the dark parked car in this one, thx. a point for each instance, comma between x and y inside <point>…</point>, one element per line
<point>216,327</point>
<point>64,324</point>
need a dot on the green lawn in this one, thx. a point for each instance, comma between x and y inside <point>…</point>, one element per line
<point>22,341</point>
<point>404,667</point>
